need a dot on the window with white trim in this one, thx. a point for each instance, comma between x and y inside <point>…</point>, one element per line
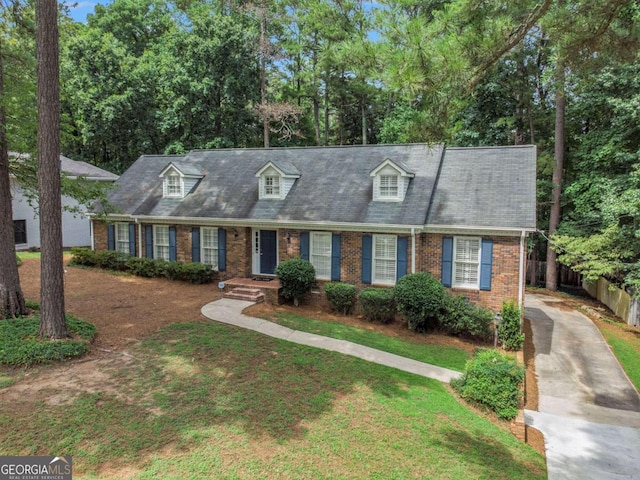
<point>384,259</point>
<point>173,185</point>
<point>320,254</point>
<point>209,246</point>
<point>388,186</point>
<point>271,186</point>
<point>466,262</point>
<point>161,242</point>
<point>122,237</point>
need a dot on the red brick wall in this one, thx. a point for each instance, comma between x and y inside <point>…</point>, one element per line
<point>505,274</point>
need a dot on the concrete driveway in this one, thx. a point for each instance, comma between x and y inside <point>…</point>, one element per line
<point>589,412</point>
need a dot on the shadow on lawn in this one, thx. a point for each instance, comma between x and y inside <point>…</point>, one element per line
<point>206,374</point>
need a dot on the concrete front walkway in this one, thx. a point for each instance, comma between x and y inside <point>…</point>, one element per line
<point>230,311</point>
<point>589,412</point>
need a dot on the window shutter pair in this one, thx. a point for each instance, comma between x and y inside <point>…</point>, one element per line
<point>335,252</point>
<point>486,262</point>
<point>402,255</point>
<point>222,247</point>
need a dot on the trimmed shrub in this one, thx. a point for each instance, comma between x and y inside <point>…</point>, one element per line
<point>378,304</point>
<point>111,260</point>
<point>510,332</point>
<point>297,276</point>
<point>341,296</point>
<point>494,380</point>
<point>197,273</point>
<point>83,256</point>
<point>18,260</point>
<point>459,316</point>
<point>419,297</point>
<point>143,267</point>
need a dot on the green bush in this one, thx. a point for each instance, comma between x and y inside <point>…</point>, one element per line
<point>378,304</point>
<point>341,296</point>
<point>83,256</point>
<point>419,297</point>
<point>510,332</point>
<point>112,260</point>
<point>297,276</point>
<point>18,260</point>
<point>494,380</point>
<point>20,345</point>
<point>186,272</point>
<point>459,316</point>
<point>143,267</point>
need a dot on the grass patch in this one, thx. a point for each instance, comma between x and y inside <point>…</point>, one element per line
<point>626,347</point>
<point>20,345</point>
<point>442,356</point>
<point>27,254</point>
<point>204,400</point>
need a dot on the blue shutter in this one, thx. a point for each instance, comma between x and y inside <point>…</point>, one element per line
<point>304,245</point>
<point>195,244</point>
<point>172,244</point>
<point>111,237</point>
<point>447,261</point>
<point>148,241</point>
<point>486,262</point>
<point>367,256</point>
<point>222,249</point>
<point>335,257</point>
<point>132,239</point>
<point>401,257</point>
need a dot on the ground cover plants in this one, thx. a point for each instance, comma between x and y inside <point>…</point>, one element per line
<point>20,345</point>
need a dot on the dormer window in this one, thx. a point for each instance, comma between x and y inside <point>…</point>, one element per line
<point>271,186</point>
<point>389,186</point>
<point>390,181</point>
<point>179,179</point>
<point>276,178</point>
<point>173,185</point>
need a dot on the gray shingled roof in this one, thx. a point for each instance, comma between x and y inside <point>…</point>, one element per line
<point>76,168</point>
<point>335,186</point>
<point>486,186</point>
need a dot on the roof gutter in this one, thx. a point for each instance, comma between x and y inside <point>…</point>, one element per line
<point>223,222</point>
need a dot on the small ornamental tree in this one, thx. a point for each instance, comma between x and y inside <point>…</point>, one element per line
<point>510,332</point>
<point>419,297</point>
<point>296,278</point>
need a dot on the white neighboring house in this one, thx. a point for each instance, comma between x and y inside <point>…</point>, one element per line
<point>76,228</point>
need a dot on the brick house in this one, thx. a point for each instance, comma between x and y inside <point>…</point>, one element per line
<point>361,214</point>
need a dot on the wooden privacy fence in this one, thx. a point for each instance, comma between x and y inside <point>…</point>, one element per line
<point>619,301</point>
<point>537,272</point>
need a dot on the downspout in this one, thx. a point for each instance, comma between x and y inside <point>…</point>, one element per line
<point>93,242</point>
<point>521,273</point>
<point>413,250</point>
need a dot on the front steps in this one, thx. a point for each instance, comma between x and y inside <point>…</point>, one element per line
<point>245,293</point>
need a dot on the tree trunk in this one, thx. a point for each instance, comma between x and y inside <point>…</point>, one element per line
<point>316,119</point>
<point>11,297</point>
<point>263,77</point>
<point>554,217</point>
<point>52,321</point>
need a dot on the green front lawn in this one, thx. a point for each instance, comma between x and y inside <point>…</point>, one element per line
<point>205,400</point>
<point>440,355</point>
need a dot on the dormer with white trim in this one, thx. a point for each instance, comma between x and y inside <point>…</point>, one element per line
<point>178,180</point>
<point>275,179</point>
<point>390,181</point>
